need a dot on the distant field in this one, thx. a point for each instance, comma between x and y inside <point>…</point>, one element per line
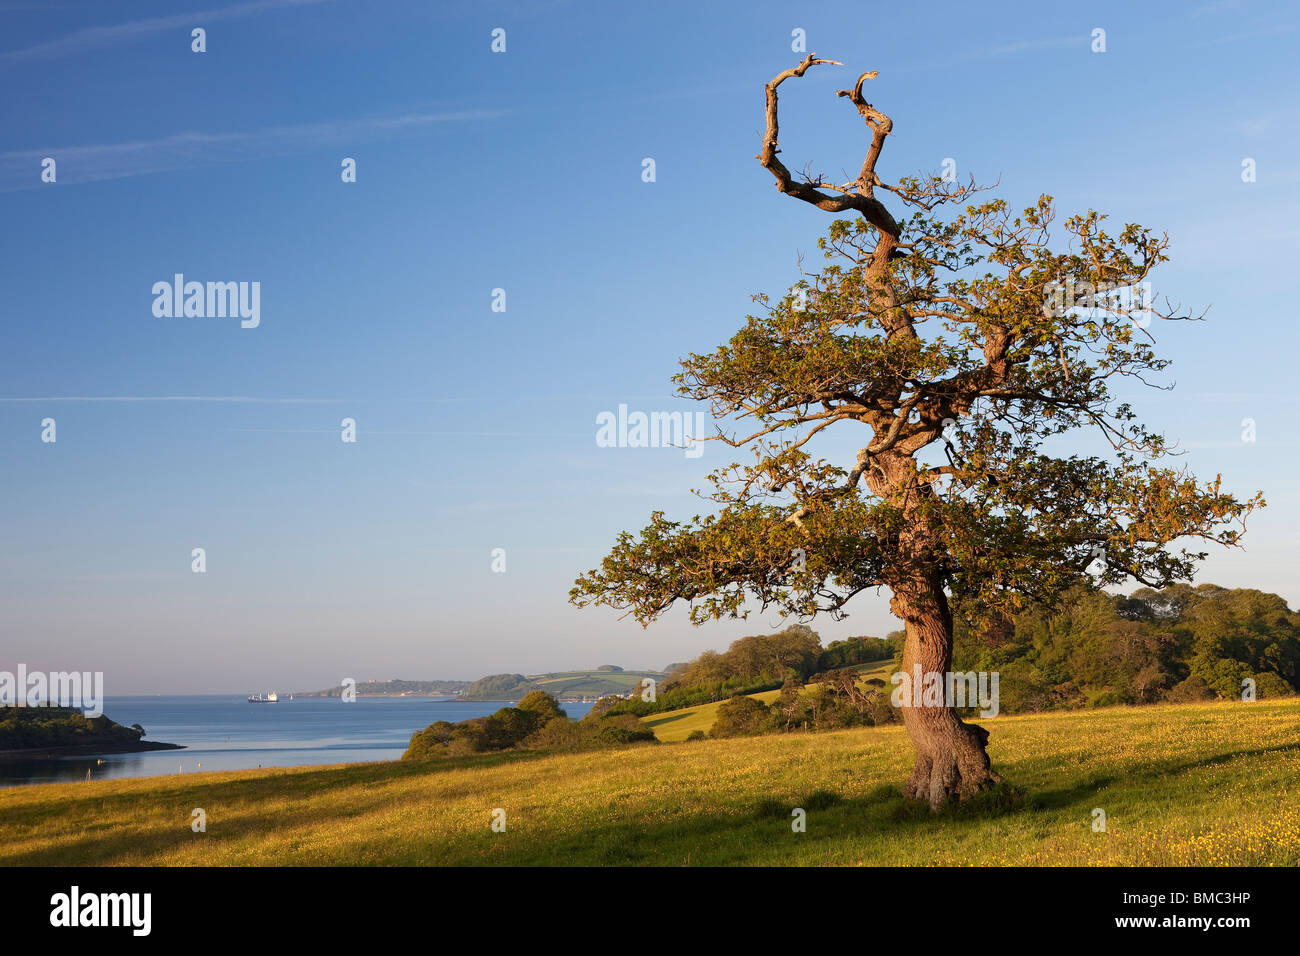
<point>591,683</point>
<point>1213,784</point>
<point>674,725</point>
<point>595,683</point>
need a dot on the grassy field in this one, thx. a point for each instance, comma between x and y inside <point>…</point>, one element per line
<point>1215,784</point>
<point>562,684</point>
<point>591,683</point>
<point>676,725</point>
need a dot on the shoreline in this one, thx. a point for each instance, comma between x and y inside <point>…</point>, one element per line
<point>85,750</point>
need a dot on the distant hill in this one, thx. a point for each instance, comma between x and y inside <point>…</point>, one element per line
<point>568,685</point>
<point>565,685</point>
<point>396,688</point>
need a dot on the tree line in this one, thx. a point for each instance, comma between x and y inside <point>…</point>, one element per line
<point>535,723</point>
<point>1179,644</point>
<point>28,728</point>
<point>757,663</point>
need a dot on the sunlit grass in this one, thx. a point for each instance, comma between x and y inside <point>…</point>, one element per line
<point>1212,784</point>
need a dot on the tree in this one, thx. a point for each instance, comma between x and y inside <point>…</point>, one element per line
<point>787,705</point>
<point>758,658</point>
<point>509,725</point>
<point>543,704</point>
<point>602,706</point>
<point>951,336</point>
<point>558,733</point>
<point>430,742</point>
<point>740,717</point>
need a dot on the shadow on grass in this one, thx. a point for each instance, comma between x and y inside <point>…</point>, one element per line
<point>760,833</point>
<point>815,801</point>
<point>1085,791</point>
<point>1165,770</point>
<point>110,842</point>
<point>660,721</point>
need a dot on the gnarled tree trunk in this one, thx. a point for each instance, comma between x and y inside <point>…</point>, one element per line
<point>951,760</point>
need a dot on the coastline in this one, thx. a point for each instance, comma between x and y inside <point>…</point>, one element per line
<point>85,750</point>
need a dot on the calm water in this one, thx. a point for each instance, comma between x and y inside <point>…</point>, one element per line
<point>224,732</point>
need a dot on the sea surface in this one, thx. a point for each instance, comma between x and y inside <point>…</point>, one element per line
<point>226,732</point>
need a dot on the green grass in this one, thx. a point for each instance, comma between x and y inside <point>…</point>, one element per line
<point>675,725</point>
<point>572,684</point>
<point>591,683</point>
<point>1214,784</point>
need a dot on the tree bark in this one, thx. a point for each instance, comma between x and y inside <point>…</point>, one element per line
<point>952,763</point>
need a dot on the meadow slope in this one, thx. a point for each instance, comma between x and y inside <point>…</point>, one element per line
<point>1215,784</point>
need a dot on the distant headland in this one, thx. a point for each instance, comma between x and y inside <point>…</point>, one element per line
<point>40,732</point>
<point>603,681</point>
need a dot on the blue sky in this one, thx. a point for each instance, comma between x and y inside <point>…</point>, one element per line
<point>522,170</point>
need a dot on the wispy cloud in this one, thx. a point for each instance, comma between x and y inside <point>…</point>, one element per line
<point>79,164</point>
<point>95,38</point>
